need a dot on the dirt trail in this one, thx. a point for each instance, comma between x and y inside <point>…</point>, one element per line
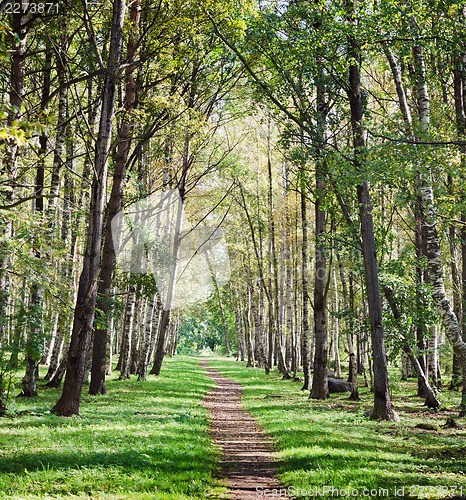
<point>248,459</point>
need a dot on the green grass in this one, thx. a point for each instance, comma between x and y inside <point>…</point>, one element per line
<point>332,444</point>
<point>143,440</point>
<point>149,440</point>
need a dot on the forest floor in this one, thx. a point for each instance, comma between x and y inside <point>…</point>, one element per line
<point>248,457</point>
<point>331,449</point>
<point>154,440</point>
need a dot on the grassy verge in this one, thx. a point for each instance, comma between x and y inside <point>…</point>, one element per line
<point>143,440</point>
<point>331,449</point>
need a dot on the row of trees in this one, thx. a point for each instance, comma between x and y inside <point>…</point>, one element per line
<point>254,113</point>
<point>359,88</point>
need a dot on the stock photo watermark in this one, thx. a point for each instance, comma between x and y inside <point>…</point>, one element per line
<point>412,491</point>
<point>188,261</point>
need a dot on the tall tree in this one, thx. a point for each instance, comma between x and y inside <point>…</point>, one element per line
<point>99,350</point>
<point>382,405</point>
<point>69,402</point>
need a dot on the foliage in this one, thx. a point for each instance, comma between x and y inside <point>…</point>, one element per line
<point>201,328</point>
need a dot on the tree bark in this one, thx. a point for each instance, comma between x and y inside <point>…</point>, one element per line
<point>99,352</point>
<point>434,256</point>
<point>69,402</point>
<point>382,404</point>
<point>10,160</point>
<point>459,84</point>
<point>124,363</point>
<point>151,306</point>
<point>319,381</point>
<point>306,359</point>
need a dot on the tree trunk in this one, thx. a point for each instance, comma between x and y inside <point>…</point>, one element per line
<point>127,335</point>
<point>170,298</point>
<point>319,380</point>
<point>306,360</point>
<point>257,305</point>
<point>459,84</point>
<point>136,334</point>
<point>427,391</point>
<point>433,358</point>
<point>99,352</point>
<point>434,256</point>
<point>222,313</point>
<point>62,126</point>
<point>55,357</point>
<point>10,165</point>
<point>69,402</point>
<point>421,334</point>
<point>248,318</point>
<point>240,325</point>
<point>382,405</point>
<point>35,319</point>
<point>348,300</point>
<point>276,325</point>
<point>145,351</point>
<point>336,334</point>
<point>160,349</point>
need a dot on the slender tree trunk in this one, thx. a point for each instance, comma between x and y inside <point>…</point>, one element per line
<point>348,300</point>
<point>222,313</point>
<point>282,335</point>
<point>421,334</point>
<point>55,357</point>
<point>69,402</point>
<point>240,324</point>
<point>336,334</point>
<point>319,381</point>
<point>433,357</point>
<point>127,336</point>
<point>151,306</point>
<point>275,328</point>
<point>10,166</point>
<point>249,337</point>
<point>257,305</point>
<point>258,308</point>
<point>306,360</point>
<point>136,336</point>
<point>459,84</point>
<point>290,281</point>
<point>160,349</point>
<point>431,398</point>
<point>62,127</point>
<point>35,315</point>
<point>382,404</point>
<point>404,366</point>
<point>99,352</point>
<point>434,256</point>
<point>170,299</point>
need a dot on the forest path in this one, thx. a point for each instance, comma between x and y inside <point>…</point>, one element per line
<point>248,459</point>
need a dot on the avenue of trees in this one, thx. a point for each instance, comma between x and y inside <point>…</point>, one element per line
<point>326,139</point>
